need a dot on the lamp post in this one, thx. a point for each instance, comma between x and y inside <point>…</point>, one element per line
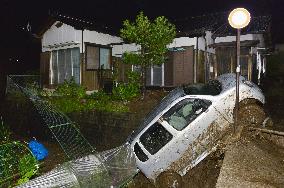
<point>238,19</point>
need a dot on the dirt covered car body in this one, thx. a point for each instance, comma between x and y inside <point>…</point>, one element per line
<point>187,125</point>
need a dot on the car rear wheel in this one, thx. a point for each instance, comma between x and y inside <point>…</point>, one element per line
<point>169,179</point>
<point>251,115</point>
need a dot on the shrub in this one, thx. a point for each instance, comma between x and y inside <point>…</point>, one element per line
<point>67,104</point>
<point>28,167</point>
<point>4,132</point>
<point>70,88</point>
<point>128,91</point>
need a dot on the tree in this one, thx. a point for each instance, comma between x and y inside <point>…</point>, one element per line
<point>152,37</point>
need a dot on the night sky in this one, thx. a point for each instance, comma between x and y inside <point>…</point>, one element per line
<point>17,43</point>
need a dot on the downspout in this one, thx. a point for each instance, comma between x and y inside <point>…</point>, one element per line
<point>206,61</point>
<point>82,56</point>
<point>195,62</point>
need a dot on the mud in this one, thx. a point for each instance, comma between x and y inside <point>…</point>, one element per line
<point>211,138</point>
<point>252,162</point>
<point>251,115</point>
<point>203,175</point>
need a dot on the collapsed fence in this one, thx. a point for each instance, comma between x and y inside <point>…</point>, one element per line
<point>87,167</point>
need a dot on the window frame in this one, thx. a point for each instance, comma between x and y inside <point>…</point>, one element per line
<point>54,65</point>
<point>173,109</point>
<point>98,46</point>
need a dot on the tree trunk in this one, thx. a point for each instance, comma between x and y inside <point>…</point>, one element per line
<point>143,69</point>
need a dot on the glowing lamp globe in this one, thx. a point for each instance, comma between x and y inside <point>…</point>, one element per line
<point>239,18</point>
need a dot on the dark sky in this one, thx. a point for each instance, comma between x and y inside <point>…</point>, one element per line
<point>15,14</point>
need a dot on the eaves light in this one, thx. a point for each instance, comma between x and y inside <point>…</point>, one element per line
<point>239,18</point>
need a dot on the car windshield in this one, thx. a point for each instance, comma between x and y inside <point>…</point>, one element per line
<point>212,87</point>
<point>166,101</point>
<point>155,138</point>
<point>183,113</point>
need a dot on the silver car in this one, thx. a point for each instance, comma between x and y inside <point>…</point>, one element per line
<point>189,122</point>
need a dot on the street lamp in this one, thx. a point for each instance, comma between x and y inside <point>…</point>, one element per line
<point>238,19</point>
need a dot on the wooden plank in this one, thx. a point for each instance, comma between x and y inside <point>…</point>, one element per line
<point>44,69</point>
<point>188,65</point>
<point>169,69</point>
<point>178,68</point>
<point>89,78</point>
<point>201,67</point>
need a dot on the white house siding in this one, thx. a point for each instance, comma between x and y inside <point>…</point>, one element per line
<point>233,38</point>
<point>100,38</point>
<point>67,36</point>
<point>182,41</point>
<point>60,38</point>
<point>118,50</point>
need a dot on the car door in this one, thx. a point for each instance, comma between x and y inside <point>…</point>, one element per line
<point>167,140</point>
<point>191,119</point>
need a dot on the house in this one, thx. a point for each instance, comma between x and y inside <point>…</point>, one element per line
<point>203,49</point>
<point>75,48</point>
<point>218,39</point>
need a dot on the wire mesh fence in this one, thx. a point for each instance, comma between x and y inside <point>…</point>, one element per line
<point>87,167</point>
<point>62,128</point>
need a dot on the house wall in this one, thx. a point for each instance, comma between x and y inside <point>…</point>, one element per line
<point>204,42</point>
<point>44,68</point>
<point>260,38</point>
<point>182,41</point>
<point>63,37</point>
<point>118,50</point>
<point>66,36</point>
<point>233,38</point>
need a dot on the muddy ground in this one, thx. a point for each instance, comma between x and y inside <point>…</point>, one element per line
<point>254,161</point>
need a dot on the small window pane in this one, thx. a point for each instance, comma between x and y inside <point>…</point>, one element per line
<point>68,65</point>
<point>76,64</point>
<point>104,58</point>
<point>157,75</point>
<point>93,57</point>
<point>61,65</point>
<point>155,138</point>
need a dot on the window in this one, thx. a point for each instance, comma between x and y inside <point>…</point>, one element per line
<point>155,138</point>
<point>65,64</point>
<point>212,87</point>
<point>97,57</point>
<point>183,113</point>
<point>139,153</point>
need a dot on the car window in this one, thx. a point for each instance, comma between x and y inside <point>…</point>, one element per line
<point>155,138</point>
<point>184,112</point>
<point>139,153</point>
<point>212,87</point>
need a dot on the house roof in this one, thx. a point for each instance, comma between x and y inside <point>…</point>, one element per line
<point>77,23</point>
<point>218,24</point>
<point>196,26</point>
